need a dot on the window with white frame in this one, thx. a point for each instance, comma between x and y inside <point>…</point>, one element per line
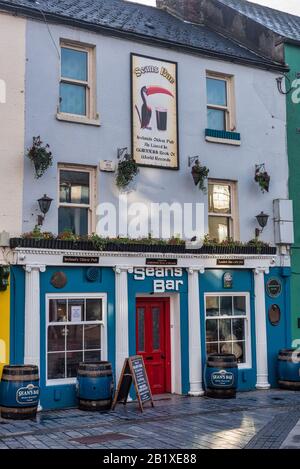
<point>220,102</point>
<point>77,82</point>
<point>222,210</point>
<point>77,195</point>
<point>228,325</point>
<point>75,333</point>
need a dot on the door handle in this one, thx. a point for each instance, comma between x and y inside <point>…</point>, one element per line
<point>163,356</point>
<point>149,358</point>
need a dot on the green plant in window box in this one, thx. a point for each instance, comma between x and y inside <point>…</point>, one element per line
<point>40,155</point>
<point>37,233</point>
<point>262,177</point>
<point>68,235</point>
<point>200,175</point>
<point>126,171</point>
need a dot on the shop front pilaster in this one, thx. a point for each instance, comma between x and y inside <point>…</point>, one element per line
<point>122,330</point>
<point>262,380</point>
<point>195,361</point>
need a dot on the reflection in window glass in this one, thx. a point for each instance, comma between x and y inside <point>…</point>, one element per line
<point>57,310</point>
<point>219,228</point>
<point>74,337</point>
<point>239,306</point>
<point>156,328</point>
<point>219,198</point>
<point>74,187</point>
<point>74,64</point>
<point>216,119</point>
<point>92,337</point>
<point>212,347</point>
<point>73,99</point>
<point>216,91</point>
<point>211,330</point>
<point>93,310</point>
<point>73,360</point>
<point>56,366</point>
<point>92,356</point>
<point>238,329</point>
<point>226,306</point>
<point>225,329</point>
<point>74,219</point>
<point>212,306</point>
<point>56,338</point>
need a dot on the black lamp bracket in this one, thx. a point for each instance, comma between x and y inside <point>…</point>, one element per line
<point>123,153</point>
<point>193,159</point>
<point>260,168</point>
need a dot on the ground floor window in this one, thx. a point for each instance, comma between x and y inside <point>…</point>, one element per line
<point>75,333</point>
<point>228,325</point>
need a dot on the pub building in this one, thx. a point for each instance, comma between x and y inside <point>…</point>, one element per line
<point>117,82</point>
<point>69,306</point>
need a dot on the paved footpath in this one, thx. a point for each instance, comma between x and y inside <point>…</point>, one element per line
<point>259,419</point>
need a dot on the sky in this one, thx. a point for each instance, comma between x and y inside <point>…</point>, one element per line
<point>290,6</point>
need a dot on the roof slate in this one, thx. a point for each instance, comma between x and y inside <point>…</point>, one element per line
<point>282,23</point>
<point>141,20</point>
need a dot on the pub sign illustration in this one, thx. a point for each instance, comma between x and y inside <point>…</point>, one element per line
<point>154,112</point>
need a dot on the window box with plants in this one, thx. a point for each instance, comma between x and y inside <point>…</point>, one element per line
<point>67,240</point>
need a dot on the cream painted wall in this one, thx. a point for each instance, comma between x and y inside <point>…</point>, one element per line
<point>12,121</point>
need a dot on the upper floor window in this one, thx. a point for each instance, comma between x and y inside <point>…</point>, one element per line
<point>77,82</point>
<point>220,105</point>
<point>76,199</point>
<point>222,210</point>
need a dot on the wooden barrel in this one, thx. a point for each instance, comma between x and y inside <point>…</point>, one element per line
<point>221,376</point>
<point>289,369</point>
<point>95,386</point>
<point>20,392</point>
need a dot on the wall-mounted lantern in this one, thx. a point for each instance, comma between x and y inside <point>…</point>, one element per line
<point>44,204</point>
<point>199,173</point>
<point>262,220</point>
<point>4,276</point>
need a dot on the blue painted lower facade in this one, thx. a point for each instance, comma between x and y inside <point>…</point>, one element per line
<point>211,283</point>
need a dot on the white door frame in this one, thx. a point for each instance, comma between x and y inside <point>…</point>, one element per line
<point>175,335</point>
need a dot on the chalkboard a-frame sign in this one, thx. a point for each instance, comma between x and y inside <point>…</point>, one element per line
<point>133,371</point>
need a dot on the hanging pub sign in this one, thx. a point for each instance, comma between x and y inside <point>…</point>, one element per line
<point>274,287</point>
<point>154,112</point>
<point>133,372</point>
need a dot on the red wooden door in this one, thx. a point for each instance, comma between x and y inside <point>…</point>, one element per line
<point>153,341</point>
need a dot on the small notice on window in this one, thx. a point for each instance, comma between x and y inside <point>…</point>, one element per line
<point>75,313</point>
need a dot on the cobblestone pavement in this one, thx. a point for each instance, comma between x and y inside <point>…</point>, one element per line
<point>259,419</point>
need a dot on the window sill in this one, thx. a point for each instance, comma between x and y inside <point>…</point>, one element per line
<point>77,119</point>
<point>61,382</point>
<point>220,136</point>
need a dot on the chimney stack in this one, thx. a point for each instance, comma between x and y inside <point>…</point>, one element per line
<point>188,10</point>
